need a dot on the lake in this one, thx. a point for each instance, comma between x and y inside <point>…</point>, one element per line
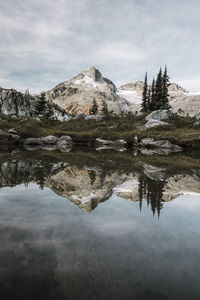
<point>99,225</point>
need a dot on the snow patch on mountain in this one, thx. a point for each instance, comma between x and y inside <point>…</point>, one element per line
<point>131,96</point>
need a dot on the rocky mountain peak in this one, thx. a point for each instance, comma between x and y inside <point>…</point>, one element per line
<point>76,95</point>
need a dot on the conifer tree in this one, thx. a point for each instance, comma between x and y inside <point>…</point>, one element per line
<point>152,101</point>
<point>165,101</point>
<point>94,108</point>
<point>40,105</point>
<point>149,99</point>
<point>144,94</point>
<point>158,91</point>
<point>48,112</point>
<point>104,109</point>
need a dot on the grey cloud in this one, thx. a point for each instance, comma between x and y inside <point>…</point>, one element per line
<point>45,42</point>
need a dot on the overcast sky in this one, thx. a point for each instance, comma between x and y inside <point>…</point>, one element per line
<point>44,42</point>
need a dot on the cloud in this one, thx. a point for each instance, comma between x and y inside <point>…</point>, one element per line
<point>45,42</point>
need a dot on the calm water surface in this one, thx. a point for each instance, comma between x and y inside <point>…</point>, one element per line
<point>88,225</point>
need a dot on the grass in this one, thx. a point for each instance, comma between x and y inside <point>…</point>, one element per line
<point>180,131</point>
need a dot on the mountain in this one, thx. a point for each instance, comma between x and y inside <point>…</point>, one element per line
<point>181,100</point>
<point>19,104</point>
<point>77,95</point>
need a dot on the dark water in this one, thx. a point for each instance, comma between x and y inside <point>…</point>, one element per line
<point>88,225</point>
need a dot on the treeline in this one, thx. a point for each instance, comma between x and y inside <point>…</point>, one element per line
<point>155,96</point>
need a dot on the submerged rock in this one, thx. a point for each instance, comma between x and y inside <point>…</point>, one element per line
<point>159,144</point>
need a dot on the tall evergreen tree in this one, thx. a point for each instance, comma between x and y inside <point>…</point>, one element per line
<point>152,101</point>
<point>144,94</point>
<point>40,105</point>
<point>158,91</point>
<point>149,99</point>
<point>94,108</point>
<point>165,83</point>
<point>48,113</point>
<point>104,110</point>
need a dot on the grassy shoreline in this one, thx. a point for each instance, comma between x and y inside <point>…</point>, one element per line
<point>180,131</point>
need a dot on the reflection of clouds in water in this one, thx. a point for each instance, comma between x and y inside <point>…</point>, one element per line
<point>190,201</point>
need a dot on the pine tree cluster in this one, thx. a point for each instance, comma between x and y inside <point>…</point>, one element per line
<point>156,96</point>
<point>43,108</point>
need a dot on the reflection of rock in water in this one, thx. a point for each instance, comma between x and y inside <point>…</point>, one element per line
<point>85,187</point>
<point>88,186</point>
<point>16,172</point>
<point>178,185</point>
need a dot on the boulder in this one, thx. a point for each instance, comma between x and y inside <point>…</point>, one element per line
<point>7,138</point>
<point>111,143</point>
<point>158,115</point>
<point>12,131</point>
<point>93,117</point>
<point>50,139</point>
<point>197,116</point>
<point>152,123</point>
<point>154,173</point>
<point>80,116</point>
<point>161,144</point>
<point>33,141</point>
<point>64,142</point>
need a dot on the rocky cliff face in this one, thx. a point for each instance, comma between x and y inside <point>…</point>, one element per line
<point>17,104</point>
<point>77,95</point>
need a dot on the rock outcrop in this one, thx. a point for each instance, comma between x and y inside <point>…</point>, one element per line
<point>76,95</point>
<point>17,104</point>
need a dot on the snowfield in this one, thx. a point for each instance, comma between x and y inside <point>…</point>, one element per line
<point>130,96</point>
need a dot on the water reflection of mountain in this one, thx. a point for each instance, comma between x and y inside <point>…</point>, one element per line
<point>87,183</point>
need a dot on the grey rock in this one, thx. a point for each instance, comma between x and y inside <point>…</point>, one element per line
<point>160,144</point>
<point>64,142</point>
<point>106,147</point>
<point>153,123</point>
<point>50,139</point>
<point>111,143</point>
<point>154,173</point>
<point>16,137</point>
<point>197,116</point>
<point>17,104</point>
<point>7,138</point>
<point>80,116</point>
<point>12,131</point>
<point>33,141</point>
<point>158,115</point>
<point>93,117</point>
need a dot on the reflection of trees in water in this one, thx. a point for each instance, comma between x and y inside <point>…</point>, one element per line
<point>92,175</point>
<point>152,191</point>
<point>41,172</point>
